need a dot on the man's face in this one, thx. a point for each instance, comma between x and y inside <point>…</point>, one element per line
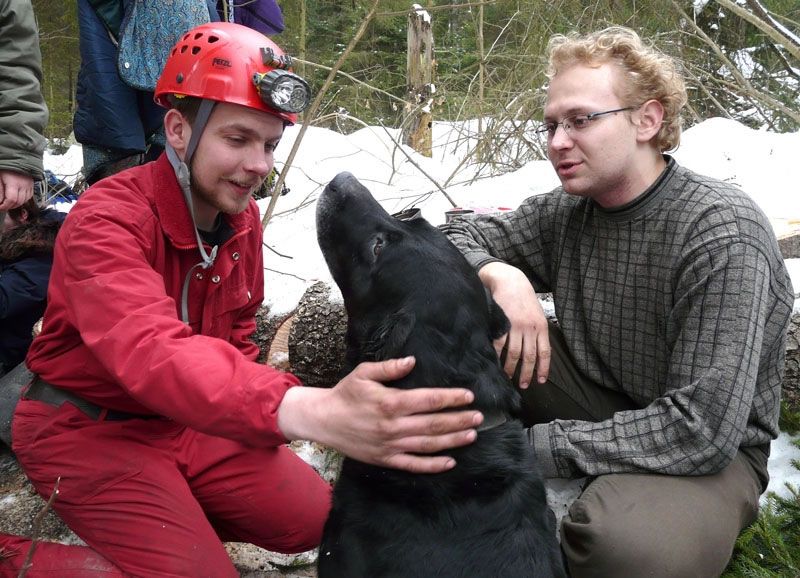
<point>599,160</point>
<point>232,159</point>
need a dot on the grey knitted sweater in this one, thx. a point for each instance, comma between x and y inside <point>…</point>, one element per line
<point>680,299</point>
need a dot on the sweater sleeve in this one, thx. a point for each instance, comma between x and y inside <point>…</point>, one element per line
<point>720,325</point>
<point>23,112</point>
<point>483,239</point>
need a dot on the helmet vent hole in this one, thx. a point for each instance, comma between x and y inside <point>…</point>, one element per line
<point>195,50</point>
<point>213,39</point>
<point>184,48</point>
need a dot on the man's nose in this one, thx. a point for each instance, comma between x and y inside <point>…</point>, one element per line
<point>261,162</point>
<point>561,137</point>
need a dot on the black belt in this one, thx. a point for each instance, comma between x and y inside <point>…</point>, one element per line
<point>40,390</point>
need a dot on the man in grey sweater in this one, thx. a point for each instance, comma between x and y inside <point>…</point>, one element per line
<point>661,384</point>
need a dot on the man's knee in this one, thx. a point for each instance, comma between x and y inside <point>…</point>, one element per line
<point>607,533</point>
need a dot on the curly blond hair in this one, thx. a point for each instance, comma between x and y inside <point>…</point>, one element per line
<point>650,74</point>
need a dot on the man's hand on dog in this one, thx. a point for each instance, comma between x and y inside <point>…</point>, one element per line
<point>528,339</point>
<point>381,425</point>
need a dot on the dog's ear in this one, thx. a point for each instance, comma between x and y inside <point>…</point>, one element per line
<point>498,322</point>
<point>392,334</point>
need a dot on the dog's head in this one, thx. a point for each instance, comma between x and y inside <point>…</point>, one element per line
<point>408,291</point>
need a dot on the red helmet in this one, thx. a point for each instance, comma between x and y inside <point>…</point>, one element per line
<point>232,63</point>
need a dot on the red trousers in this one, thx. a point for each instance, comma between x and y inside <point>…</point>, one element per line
<point>153,498</point>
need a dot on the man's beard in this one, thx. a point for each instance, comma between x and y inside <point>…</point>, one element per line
<point>209,197</point>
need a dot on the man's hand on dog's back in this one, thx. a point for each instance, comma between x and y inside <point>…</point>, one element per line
<point>380,425</point>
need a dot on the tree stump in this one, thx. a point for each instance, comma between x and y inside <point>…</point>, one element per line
<point>791,378</point>
<point>421,64</point>
<point>789,244</point>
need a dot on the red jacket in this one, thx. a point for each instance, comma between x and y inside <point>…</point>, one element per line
<point>112,331</point>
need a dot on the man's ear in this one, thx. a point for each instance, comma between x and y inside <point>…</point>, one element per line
<point>177,130</point>
<point>651,114</point>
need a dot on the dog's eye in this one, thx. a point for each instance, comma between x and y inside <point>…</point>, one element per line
<point>376,248</point>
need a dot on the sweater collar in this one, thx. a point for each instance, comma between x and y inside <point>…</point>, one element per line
<point>643,201</point>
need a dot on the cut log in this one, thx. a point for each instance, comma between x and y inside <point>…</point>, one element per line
<point>789,244</point>
<point>317,338</point>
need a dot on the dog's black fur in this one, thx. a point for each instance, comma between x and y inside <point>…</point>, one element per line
<point>408,291</point>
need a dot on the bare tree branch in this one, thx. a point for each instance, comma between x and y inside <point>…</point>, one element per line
<point>438,8</point>
<point>37,522</point>
<point>421,170</point>
<point>313,110</point>
<point>354,79</point>
<point>742,84</point>
<point>770,27</point>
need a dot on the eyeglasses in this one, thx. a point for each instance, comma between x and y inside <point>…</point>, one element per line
<point>578,122</point>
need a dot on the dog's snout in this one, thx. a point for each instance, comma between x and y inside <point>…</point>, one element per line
<point>341,182</point>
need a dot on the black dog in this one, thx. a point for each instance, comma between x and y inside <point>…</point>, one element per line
<point>408,291</point>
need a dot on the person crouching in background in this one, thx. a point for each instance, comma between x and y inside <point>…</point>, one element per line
<point>26,257</point>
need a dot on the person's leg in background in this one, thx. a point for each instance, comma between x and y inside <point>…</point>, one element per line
<point>111,122</point>
<point>51,559</point>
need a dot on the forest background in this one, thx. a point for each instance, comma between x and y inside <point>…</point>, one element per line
<point>741,59</point>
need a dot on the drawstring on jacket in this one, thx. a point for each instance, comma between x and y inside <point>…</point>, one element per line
<point>183,175</point>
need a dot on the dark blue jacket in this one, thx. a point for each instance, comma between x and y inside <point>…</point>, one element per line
<point>23,294</point>
<point>110,113</point>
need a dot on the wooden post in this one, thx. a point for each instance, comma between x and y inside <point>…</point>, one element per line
<point>421,87</point>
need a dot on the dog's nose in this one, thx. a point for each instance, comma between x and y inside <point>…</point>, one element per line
<point>340,181</point>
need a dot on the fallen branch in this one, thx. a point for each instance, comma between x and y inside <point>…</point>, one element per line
<point>742,85</point>
<point>37,522</point>
<point>766,23</point>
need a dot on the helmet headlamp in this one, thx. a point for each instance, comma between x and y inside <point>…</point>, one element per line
<point>227,62</point>
<point>283,90</point>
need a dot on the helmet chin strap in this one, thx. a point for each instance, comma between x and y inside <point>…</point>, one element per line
<point>183,175</point>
